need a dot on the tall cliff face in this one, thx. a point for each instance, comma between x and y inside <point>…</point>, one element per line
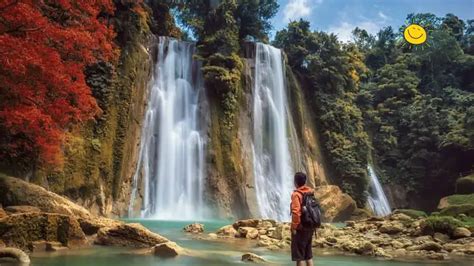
<point>100,156</point>
<point>235,196</point>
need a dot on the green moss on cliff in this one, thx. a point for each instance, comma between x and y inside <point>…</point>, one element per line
<point>94,152</point>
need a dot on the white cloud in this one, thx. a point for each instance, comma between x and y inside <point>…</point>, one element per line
<point>383,16</point>
<point>296,9</point>
<point>344,29</point>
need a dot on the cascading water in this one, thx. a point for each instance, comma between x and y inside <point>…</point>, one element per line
<point>377,200</point>
<point>171,160</point>
<point>272,160</point>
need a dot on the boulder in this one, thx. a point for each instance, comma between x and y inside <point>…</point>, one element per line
<point>248,232</point>
<point>429,246</point>
<point>400,217</point>
<point>251,257</point>
<point>212,235</point>
<point>16,192</point>
<point>440,237</point>
<point>266,223</point>
<point>227,230</point>
<point>167,249</point>
<point>336,205</point>
<point>91,225</point>
<point>461,232</point>
<point>194,228</point>
<point>391,228</point>
<point>21,230</point>
<point>443,203</point>
<point>21,209</point>
<point>2,213</point>
<point>16,254</point>
<point>365,248</point>
<point>282,232</point>
<point>246,223</point>
<point>128,235</point>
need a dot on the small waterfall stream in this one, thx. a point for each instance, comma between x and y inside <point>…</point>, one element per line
<point>171,159</point>
<point>271,149</point>
<point>377,200</point>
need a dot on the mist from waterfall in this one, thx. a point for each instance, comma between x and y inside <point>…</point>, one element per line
<point>272,162</point>
<point>377,200</point>
<point>171,159</point>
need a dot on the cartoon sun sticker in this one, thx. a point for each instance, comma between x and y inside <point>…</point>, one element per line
<point>415,34</point>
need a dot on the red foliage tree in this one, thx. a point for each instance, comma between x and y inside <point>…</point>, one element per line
<point>45,46</point>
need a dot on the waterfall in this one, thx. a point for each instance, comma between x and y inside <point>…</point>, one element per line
<point>271,156</point>
<point>377,200</point>
<point>171,156</point>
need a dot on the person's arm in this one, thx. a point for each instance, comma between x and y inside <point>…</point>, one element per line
<point>295,211</point>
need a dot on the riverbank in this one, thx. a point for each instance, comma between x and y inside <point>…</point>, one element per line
<point>396,237</point>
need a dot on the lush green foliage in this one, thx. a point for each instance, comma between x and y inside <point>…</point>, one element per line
<point>418,104</point>
<point>334,71</point>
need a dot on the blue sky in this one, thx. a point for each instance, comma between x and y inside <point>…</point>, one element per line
<point>342,16</point>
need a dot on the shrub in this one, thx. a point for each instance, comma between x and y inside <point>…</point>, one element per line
<point>465,185</point>
<point>412,213</point>
<point>440,224</point>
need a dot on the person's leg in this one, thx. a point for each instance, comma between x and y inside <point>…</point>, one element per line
<point>300,263</point>
<point>309,262</point>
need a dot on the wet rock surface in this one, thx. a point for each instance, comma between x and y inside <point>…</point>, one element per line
<point>251,257</point>
<point>128,235</point>
<point>397,236</point>
<point>194,228</point>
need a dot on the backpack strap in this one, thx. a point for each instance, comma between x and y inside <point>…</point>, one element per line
<point>302,196</point>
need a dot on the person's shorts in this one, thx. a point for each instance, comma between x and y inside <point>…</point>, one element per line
<point>301,245</point>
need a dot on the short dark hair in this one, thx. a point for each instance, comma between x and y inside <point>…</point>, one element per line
<point>300,179</point>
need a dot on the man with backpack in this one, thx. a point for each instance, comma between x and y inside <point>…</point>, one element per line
<point>305,218</point>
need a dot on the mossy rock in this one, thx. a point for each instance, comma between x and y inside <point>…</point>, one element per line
<point>460,199</point>
<point>20,230</point>
<point>411,212</point>
<point>455,210</point>
<point>465,185</point>
<point>440,224</point>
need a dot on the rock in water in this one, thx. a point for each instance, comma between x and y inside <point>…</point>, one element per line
<point>227,230</point>
<point>128,235</point>
<point>194,228</point>
<point>21,230</point>
<point>337,205</point>
<point>251,257</point>
<point>461,232</point>
<point>167,249</point>
<point>246,223</point>
<point>248,232</point>
<point>14,253</point>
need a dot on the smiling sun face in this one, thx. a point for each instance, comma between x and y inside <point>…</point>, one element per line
<point>415,34</point>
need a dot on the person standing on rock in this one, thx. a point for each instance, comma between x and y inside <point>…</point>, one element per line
<point>305,218</point>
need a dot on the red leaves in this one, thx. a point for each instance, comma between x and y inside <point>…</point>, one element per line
<point>44,48</point>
